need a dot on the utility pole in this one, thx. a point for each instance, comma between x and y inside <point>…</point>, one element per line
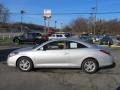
<point>48,25</point>
<point>94,16</point>
<point>47,15</point>
<point>61,25</point>
<point>94,20</point>
<point>96,8</point>
<point>45,25</point>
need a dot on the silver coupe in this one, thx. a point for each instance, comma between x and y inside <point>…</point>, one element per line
<point>62,53</point>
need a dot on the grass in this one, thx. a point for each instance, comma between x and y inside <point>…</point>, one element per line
<point>6,40</point>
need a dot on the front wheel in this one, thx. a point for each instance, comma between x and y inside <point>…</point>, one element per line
<point>37,42</point>
<point>90,66</point>
<point>17,41</point>
<point>25,64</point>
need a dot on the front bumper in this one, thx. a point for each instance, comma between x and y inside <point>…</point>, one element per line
<point>11,61</point>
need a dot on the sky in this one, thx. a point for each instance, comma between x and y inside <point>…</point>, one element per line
<point>60,6</point>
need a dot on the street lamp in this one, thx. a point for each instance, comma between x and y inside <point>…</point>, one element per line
<point>21,12</point>
<point>55,24</point>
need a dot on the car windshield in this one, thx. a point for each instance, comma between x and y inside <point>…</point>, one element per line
<point>35,46</point>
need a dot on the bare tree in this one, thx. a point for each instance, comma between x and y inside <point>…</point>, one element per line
<point>4,14</point>
<point>80,25</point>
<point>67,29</point>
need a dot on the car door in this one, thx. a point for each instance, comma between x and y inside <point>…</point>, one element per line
<point>76,53</point>
<point>23,37</point>
<point>53,55</point>
<point>30,37</point>
<point>26,37</point>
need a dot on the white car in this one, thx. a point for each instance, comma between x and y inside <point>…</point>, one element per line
<point>57,36</point>
<point>62,53</point>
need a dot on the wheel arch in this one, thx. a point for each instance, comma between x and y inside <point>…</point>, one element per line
<point>24,57</point>
<point>90,58</point>
<point>15,38</point>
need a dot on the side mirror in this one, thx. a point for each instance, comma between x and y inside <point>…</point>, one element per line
<point>42,49</point>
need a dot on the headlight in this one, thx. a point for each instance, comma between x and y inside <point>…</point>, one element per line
<point>13,54</point>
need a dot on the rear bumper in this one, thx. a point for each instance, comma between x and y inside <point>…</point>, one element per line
<point>109,66</point>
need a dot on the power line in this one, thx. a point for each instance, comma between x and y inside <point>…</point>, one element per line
<point>72,13</point>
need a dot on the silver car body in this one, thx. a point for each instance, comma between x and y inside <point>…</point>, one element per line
<point>71,58</point>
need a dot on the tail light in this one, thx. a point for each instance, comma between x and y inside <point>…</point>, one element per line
<point>103,51</point>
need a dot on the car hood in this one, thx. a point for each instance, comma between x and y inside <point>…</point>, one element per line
<point>24,49</point>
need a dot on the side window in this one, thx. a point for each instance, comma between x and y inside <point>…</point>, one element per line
<point>75,45</point>
<point>34,35</point>
<point>38,34</point>
<point>25,35</point>
<point>30,35</point>
<point>53,35</point>
<point>59,35</point>
<point>56,45</point>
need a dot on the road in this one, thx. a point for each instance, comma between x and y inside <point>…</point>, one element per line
<point>58,79</point>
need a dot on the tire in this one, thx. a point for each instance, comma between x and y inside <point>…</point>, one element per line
<point>17,41</point>
<point>37,42</point>
<point>90,66</point>
<point>25,64</point>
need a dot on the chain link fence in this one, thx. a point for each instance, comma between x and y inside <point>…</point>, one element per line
<point>8,35</point>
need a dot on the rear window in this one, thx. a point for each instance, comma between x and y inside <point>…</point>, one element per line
<point>59,35</point>
<point>34,34</point>
<point>75,45</point>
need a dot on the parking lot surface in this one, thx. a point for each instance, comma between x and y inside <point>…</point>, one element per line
<point>57,79</point>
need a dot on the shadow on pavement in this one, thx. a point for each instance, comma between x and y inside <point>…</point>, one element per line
<point>4,53</point>
<point>118,88</point>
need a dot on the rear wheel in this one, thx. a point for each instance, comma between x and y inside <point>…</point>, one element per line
<point>25,64</point>
<point>90,66</point>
